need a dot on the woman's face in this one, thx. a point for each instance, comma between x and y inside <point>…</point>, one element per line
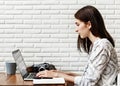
<point>83,29</point>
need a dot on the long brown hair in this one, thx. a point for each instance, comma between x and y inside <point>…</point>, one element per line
<point>90,13</point>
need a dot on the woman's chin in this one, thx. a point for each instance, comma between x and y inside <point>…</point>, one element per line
<point>82,37</point>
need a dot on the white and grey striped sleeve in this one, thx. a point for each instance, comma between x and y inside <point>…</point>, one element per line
<point>96,64</point>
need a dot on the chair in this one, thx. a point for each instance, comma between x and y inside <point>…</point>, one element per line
<point>118,79</point>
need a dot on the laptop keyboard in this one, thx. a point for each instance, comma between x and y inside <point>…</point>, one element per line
<point>31,75</point>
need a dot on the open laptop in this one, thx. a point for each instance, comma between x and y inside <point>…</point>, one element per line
<point>22,66</point>
<point>31,76</point>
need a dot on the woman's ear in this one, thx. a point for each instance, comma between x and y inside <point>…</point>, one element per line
<point>89,24</point>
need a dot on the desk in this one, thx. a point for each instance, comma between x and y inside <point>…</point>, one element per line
<point>16,80</point>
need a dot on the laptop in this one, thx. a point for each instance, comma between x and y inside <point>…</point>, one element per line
<point>22,66</point>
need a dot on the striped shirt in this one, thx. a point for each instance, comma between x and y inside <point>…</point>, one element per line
<point>102,67</point>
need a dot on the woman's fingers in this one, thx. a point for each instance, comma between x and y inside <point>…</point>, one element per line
<point>46,73</point>
<point>40,73</point>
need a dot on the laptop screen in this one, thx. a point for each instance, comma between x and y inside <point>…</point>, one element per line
<point>19,61</point>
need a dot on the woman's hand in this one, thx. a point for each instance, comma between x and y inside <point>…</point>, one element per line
<point>56,73</point>
<point>47,73</point>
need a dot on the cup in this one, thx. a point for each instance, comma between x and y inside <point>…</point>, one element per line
<point>10,68</point>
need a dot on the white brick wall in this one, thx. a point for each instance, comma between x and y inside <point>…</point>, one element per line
<point>44,30</point>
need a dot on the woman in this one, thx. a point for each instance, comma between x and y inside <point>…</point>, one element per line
<point>93,38</point>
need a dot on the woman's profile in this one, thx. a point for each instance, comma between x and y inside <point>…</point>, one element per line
<point>94,39</point>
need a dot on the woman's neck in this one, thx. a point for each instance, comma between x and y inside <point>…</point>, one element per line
<point>93,38</point>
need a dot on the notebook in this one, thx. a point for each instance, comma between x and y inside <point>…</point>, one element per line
<point>49,81</point>
<point>22,66</point>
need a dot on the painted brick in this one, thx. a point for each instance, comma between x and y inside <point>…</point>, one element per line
<point>44,31</point>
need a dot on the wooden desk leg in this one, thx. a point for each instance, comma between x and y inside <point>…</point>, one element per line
<point>69,84</point>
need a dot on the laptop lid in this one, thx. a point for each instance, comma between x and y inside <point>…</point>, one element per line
<point>20,62</point>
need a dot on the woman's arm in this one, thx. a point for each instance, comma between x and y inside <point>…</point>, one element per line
<point>53,73</point>
<point>93,71</point>
<point>69,73</point>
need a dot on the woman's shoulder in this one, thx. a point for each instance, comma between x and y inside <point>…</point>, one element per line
<point>103,43</point>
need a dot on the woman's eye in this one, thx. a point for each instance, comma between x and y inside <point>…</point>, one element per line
<point>77,24</point>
